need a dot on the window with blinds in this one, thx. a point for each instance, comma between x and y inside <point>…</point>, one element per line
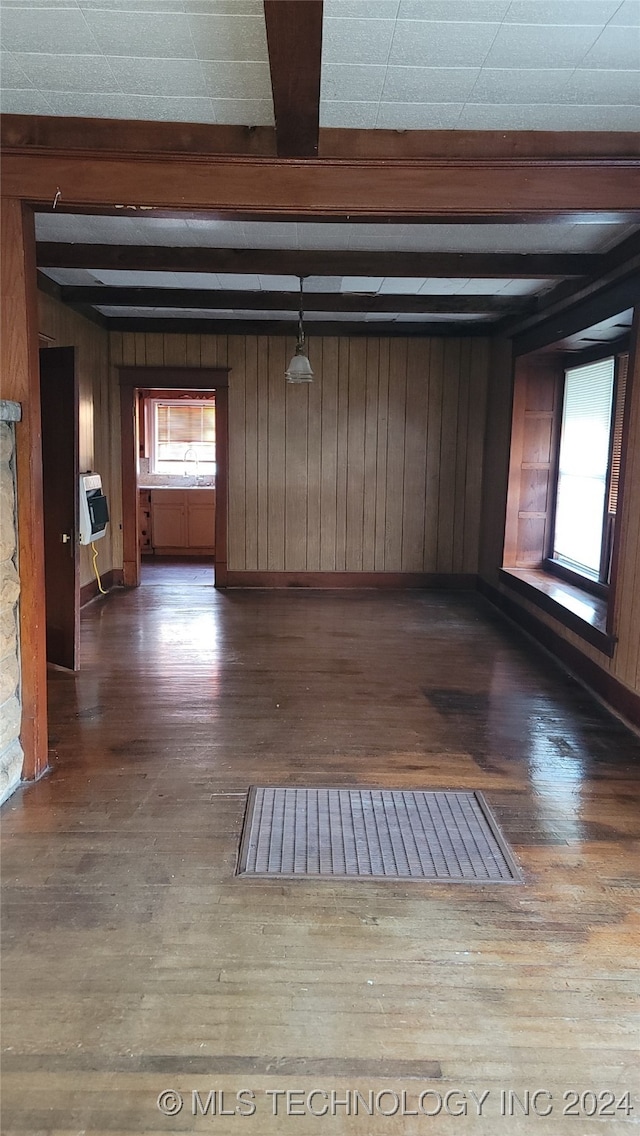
<point>184,436</point>
<point>588,471</point>
<point>616,439</point>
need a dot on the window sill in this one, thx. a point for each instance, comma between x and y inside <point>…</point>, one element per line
<point>573,607</point>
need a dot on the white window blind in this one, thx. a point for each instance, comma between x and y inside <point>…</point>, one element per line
<point>583,466</point>
<point>184,436</point>
<point>616,442</point>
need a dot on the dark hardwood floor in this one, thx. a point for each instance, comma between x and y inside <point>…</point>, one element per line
<point>135,962</point>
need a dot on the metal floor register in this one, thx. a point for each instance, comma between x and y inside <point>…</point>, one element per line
<point>377,834</point>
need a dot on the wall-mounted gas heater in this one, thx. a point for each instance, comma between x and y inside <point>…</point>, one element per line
<point>94,511</point>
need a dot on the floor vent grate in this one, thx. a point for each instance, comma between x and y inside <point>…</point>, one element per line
<point>378,834</point>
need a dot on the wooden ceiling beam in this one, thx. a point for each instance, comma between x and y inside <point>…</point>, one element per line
<point>543,145</point>
<point>218,300</point>
<point>385,328</point>
<point>620,266</point>
<point>376,188</point>
<point>294,40</point>
<point>603,217</point>
<point>286,262</point>
<point>38,133</point>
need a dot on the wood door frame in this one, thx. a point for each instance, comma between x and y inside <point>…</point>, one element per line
<point>133,379</point>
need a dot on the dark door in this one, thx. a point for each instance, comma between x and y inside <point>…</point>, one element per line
<point>60,473</point>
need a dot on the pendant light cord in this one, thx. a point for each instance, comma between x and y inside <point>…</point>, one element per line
<point>300,324</point>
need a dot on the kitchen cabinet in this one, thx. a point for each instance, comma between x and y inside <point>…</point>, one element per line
<point>183,521</point>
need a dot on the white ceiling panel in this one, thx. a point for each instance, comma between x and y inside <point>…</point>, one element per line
<point>230,37</point>
<point>358,41</point>
<point>349,116</point>
<point>348,83</point>
<point>540,46</point>
<point>137,76</point>
<point>143,229</point>
<point>428,84</point>
<point>616,47</point>
<point>497,85</point>
<point>67,72</point>
<point>434,44</point>
<point>543,116</point>
<point>165,35</point>
<point>418,116</point>
<point>628,14</point>
<point>24,102</point>
<point>456,11</point>
<point>50,30</point>
<point>236,80</point>
<point>362,284</point>
<point>558,12</point>
<point>362,9</point>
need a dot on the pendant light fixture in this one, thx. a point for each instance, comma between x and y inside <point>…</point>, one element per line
<point>299,369</point>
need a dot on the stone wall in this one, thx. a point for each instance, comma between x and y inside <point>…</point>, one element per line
<point>11,755</point>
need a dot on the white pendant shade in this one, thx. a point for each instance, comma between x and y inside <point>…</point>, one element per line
<point>299,370</point>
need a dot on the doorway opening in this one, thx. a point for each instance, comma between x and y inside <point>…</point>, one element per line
<point>174,475</point>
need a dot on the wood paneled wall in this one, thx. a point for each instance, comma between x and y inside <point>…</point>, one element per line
<point>625,663</point>
<point>537,399</point>
<point>374,467</point>
<point>99,449</point>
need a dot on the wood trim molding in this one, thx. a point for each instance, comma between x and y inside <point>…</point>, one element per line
<point>601,640</point>
<point>397,580</point>
<point>39,133</point>
<point>621,533</point>
<point>174,378</point>
<point>21,382</point>
<point>114,578</point>
<point>373,187</point>
<point>619,697</point>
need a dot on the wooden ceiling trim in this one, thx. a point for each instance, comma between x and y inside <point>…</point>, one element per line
<point>288,328</point>
<point>376,188</point>
<point>288,301</point>
<point>294,40</point>
<point>603,217</point>
<point>31,133</point>
<point>294,262</point>
<point>546,145</point>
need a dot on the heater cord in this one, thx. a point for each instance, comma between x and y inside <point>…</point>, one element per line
<point>95,568</point>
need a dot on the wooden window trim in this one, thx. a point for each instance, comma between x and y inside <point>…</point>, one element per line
<point>533,581</point>
<point>533,585</point>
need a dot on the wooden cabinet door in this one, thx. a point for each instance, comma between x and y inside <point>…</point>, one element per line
<point>168,519</point>
<point>201,514</point>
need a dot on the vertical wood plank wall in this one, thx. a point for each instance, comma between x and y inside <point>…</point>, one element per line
<point>99,449</point>
<point>536,396</point>
<point>374,467</point>
<point>625,663</point>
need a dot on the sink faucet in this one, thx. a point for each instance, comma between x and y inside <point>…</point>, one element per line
<point>185,458</point>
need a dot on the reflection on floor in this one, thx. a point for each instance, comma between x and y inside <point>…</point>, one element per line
<point>176,571</point>
<point>136,962</point>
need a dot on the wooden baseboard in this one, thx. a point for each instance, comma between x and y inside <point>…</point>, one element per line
<point>395,580</point>
<point>182,552</point>
<point>619,697</point>
<point>114,578</point>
